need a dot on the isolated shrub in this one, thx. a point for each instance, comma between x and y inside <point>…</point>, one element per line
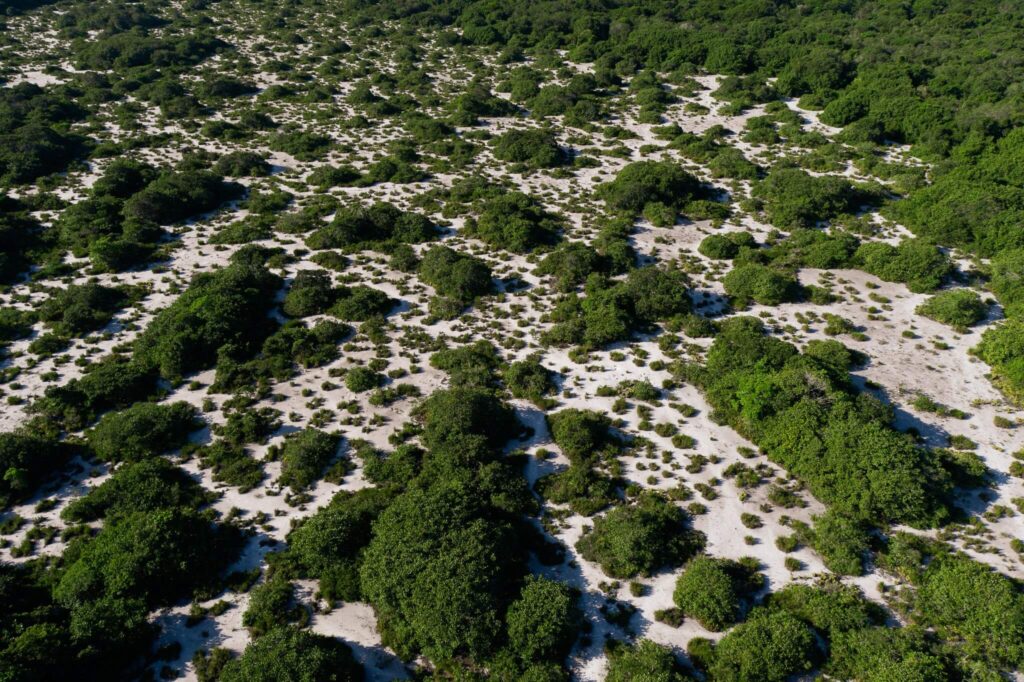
<point>761,284</point>
<point>769,646</point>
<point>643,182</point>
<point>311,293</point>
<point>147,485</point>
<point>305,455</point>
<point>287,653</point>
<point>711,590</point>
<point>638,539</point>
<point>27,460</point>
<point>725,246</point>
<point>536,148</point>
<point>581,434</point>
<point>643,661</point>
<point>361,379</point>
<point>957,308</point>
<point>543,621</point>
<point>515,222</point>
<point>143,430</point>
<point>455,275</point>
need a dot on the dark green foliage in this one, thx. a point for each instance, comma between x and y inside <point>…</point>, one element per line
<point>326,177</point>
<point>360,303</point>
<point>805,415</point>
<point>329,544</point>
<point>303,145</point>
<point>305,455</point>
<point>640,538</point>
<point>645,182</point>
<point>176,196</point>
<point>271,604</point>
<point>27,460</point>
<point>450,415</point>
<point>454,275</point>
<point>919,264</point>
<point>581,434</point>
<point>147,485</point>
<point>377,227</point>
<point>645,661</point>
<point>287,653</point>
<point>585,490</point>
<point>613,311</point>
<point>881,653</point>
<point>232,464</point>
<point>570,264</point>
<point>830,607</point>
<point>543,621</point>
<point>311,293</point>
<point>535,148</point>
<point>470,366</point>
<point>143,431</point>
<point>1007,281</point>
<point>362,379</point>
<point>111,383</point>
<point>957,308</point>
<point>514,221</point>
<point>529,379</point>
<point>1002,347</point>
<point>435,571</point>
<point>241,164</point>
<point>761,284</point>
<point>794,198</point>
<point>128,559</point>
<point>725,246</point>
<point>968,602</point>
<point>711,590</point>
<point>770,646</point>
<point>841,541</point>
<point>226,306</point>
<point>82,308</point>
<point>34,140</point>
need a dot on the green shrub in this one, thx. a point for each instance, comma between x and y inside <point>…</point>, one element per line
<point>535,148</point>
<point>455,275</point>
<point>543,621</point>
<point>147,485</point>
<point>711,590</point>
<point>761,284</point>
<point>645,661</point>
<point>638,539</point>
<point>643,182</point>
<point>143,431</point>
<point>770,646</point>
<point>515,222</point>
<point>287,653</point>
<point>957,308</point>
<point>305,455</point>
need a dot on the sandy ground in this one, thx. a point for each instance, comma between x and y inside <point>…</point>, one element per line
<point>903,367</point>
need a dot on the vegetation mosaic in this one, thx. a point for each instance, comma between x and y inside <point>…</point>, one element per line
<point>626,340</point>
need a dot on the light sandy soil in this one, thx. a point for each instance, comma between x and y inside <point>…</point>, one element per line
<point>902,366</point>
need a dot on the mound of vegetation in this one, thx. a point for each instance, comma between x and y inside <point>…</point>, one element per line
<point>379,227</point>
<point>515,222</point>
<point>612,311</point>
<point>226,307</point>
<point>958,308</point>
<point>642,183</point>
<point>805,414</point>
<point>640,538</point>
<point>535,148</point>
